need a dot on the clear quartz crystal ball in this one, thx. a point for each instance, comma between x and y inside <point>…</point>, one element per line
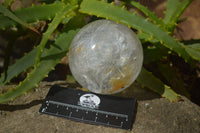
<point>105,57</point>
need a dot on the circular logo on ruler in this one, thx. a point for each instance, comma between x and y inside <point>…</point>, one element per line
<point>89,101</point>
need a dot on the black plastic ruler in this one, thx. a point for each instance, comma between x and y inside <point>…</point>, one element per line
<point>89,107</point>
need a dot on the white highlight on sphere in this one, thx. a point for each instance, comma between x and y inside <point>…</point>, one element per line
<point>105,57</point>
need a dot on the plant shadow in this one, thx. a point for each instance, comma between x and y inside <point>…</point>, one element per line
<point>11,108</point>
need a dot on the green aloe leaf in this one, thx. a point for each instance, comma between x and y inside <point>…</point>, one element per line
<point>12,16</point>
<point>32,14</point>
<point>148,80</point>
<point>47,63</point>
<point>174,10</point>
<point>65,12</point>
<point>156,53</point>
<point>194,51</point>
<point>118,14</point>
<point>170,76</point>
<point>28,60</point>
<point>17,68</point>
<point>148,13</point>
<point>172,6</point>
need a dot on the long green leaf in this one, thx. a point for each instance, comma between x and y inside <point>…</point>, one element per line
<point>112,12</point>
<point>174,10</point>
<point>147,79</point>
<point>32,14</point>
<point>194,51</point>
<point>53,57</point>
<point>12,16</point>
<point>155,54</point>
<point>21,65</point>
<point>27,60</point>
<point>148,13</point>
<point>170,75</point>
<point>181,8</point>
<point>172,6</point>
<point>53,25</point>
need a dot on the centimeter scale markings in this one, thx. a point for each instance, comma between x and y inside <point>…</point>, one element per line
<point>89,107</point>
<point>81,113</point>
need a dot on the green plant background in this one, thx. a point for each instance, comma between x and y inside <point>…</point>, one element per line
<point>66,17</point>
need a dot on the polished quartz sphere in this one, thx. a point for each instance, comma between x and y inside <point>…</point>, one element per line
<point>105,57</point>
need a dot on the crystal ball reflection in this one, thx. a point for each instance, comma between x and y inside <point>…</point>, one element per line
<point>105,57</point>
